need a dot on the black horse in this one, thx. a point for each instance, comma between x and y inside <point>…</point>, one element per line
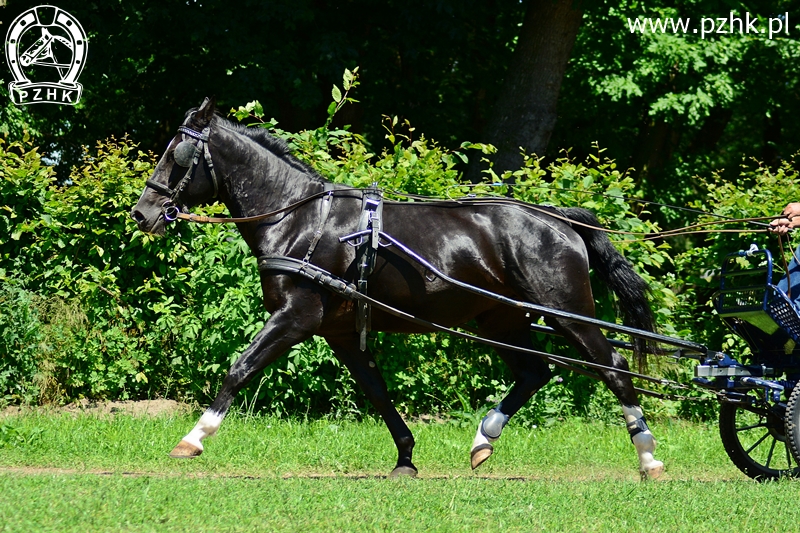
<point>505,247</point>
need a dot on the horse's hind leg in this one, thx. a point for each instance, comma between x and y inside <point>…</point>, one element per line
<point>364,370</point>
<point>591,342</point>
<point>530,374</point>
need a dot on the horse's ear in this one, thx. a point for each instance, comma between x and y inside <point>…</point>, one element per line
<point>205,113</point>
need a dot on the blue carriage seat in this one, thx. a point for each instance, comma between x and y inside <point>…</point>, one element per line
<point>754,307</point>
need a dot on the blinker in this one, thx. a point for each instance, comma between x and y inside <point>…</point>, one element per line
<point>184,153</point>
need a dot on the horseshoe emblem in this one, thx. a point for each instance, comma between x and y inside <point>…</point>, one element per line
<point>45,39</point>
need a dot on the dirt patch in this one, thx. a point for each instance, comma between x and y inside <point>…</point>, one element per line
<point>554,478</point>
<point>133,408</point>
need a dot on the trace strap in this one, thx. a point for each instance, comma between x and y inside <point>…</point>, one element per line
<point>350,292</point>
<point>267,263</point>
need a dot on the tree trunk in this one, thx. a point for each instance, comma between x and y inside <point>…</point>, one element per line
<point>525,113</point>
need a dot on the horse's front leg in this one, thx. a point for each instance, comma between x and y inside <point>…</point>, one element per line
<point>284,329</point>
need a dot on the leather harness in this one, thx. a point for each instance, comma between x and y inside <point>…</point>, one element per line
<point>187,154</point>
<point>366,240</point>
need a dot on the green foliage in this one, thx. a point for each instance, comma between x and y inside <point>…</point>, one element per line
<point>759,192</point>
<point>116,311</point>
<point>94,308</point>
<point>675,104</point>
<point>20,336</point>
<point>17,122</point>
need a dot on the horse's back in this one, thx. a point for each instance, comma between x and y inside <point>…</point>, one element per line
<point>506,249</point>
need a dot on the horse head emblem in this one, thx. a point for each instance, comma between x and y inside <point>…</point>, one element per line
<point>45,40</point>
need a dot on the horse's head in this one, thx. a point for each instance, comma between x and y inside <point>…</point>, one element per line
<point>183,177</point>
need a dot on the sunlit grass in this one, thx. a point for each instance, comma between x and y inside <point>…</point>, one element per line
<point>265,446</point>
<point>87,473</point>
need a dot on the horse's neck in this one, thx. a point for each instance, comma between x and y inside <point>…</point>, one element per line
<point>261,182</point>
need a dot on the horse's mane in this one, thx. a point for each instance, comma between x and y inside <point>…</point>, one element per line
<point>263,138</point>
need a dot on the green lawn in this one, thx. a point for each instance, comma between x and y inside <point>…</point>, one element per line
<point>64,472</point>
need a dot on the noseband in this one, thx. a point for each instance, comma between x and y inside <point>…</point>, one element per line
<point>186,154</point>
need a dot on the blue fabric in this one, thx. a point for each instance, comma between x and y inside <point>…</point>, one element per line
<point>794,276</point>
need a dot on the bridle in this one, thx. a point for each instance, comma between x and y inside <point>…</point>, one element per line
<point>187,155</point>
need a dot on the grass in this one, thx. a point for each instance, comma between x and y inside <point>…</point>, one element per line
<point>62,472</point>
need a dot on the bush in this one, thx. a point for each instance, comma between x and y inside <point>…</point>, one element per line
<point>20,336</point>
<point>93,308</point>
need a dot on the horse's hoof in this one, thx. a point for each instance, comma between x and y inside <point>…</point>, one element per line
<point>479,454</point>
<point>184,450</point>
<point>653,471</point>
<point>403,471</point>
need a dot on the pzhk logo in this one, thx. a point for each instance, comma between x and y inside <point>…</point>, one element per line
<point>48,37</point>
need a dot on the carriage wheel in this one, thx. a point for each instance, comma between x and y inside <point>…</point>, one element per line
<point>755,439</point>
<point>792,427</point>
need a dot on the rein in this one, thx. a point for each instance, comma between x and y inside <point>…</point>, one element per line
<point>686,230</point>
<point>202,219</point>
<point>187,154</point>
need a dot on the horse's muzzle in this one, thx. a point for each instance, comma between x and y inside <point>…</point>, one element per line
<point>155,227</point>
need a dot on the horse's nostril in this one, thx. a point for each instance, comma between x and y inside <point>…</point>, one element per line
<point>137,216</point>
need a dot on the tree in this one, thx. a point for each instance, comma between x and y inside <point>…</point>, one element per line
<point>677,104</point>
<point>525,113</point>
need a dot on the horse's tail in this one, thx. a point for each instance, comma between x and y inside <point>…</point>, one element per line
<point>618,274</point>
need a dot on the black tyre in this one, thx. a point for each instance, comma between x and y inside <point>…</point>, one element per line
<point>792,423</point>
<point>755,439</point>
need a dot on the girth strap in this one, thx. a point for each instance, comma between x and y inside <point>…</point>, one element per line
<point>371,219</point>
<point>310,271</point>
<point>327,203</point>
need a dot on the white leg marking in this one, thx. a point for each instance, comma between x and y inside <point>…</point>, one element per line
<point>481,448</point>
<point>480,438</point>
<point>207,425</point>
<point>644,443</point>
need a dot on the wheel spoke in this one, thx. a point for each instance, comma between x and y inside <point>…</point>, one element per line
<point>761,424</point>
<point>759,441</point>
<point>769,455</point>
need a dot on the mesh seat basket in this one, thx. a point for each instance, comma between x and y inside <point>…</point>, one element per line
<point>747,293</point>
<point>767,308</point>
